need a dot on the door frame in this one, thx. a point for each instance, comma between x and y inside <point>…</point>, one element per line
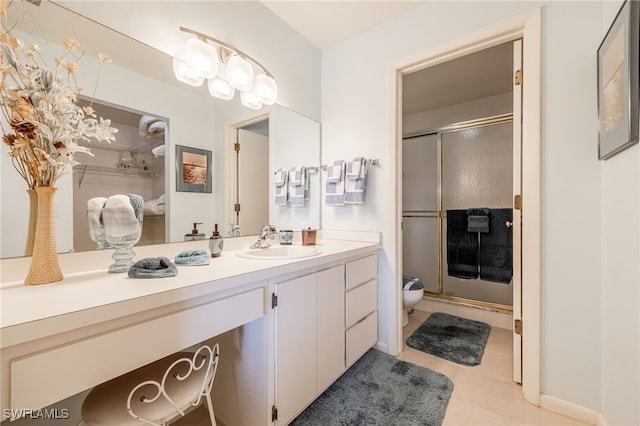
<point>528,27</point>
<point>230,135</point>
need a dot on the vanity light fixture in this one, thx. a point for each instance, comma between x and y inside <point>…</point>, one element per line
<point>226,69</point>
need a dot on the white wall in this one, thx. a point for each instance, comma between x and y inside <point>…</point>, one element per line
<point>356,112</point>
<point>620,233</point>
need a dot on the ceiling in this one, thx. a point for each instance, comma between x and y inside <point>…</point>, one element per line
<point>327,23</point>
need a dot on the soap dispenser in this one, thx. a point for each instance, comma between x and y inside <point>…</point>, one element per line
<point>216,243</point>
<point>195,234</point>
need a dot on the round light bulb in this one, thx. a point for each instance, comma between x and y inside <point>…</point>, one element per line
<point>184,74</point>
<point>265,87</point>
<point>220,88</point>
<point>251,100</point>
<point>240,73</point>
<point>201,57</point>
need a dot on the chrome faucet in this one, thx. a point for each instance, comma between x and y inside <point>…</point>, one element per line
<point>266,233</point>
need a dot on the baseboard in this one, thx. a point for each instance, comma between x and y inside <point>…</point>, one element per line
<point>601,421</point>
<point>382,347</point>
<point>572,410</point>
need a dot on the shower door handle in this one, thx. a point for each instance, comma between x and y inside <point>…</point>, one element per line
<point>508,224</point>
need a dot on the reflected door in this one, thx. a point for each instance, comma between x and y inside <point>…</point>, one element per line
<point>253,182</point>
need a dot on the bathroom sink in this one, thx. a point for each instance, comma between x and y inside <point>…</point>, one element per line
<point>279,252</point>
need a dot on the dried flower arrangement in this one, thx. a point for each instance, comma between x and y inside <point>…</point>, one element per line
<point>39,104</point>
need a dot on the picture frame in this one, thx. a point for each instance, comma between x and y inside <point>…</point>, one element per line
<point>618,82</point>
<point>193,169</point>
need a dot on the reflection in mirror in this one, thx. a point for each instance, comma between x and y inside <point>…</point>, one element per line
<point>281,139</point>
<point>134,163</point>
<point>139,80</point>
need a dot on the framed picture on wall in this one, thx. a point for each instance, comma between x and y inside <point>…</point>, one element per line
<point>193,169</point>
<point>618,82</point>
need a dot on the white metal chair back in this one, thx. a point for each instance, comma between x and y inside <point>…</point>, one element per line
<point>156,393</point>
<point>201,366</point>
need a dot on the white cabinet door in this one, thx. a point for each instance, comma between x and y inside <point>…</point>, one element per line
<point>330,326</point>
<point>296,346</point>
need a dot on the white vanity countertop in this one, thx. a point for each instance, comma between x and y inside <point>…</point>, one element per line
<point>89,294</point>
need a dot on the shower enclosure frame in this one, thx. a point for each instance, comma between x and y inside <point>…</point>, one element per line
<point>439,214</point>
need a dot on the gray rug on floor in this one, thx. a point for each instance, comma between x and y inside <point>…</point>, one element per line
<point>381,390</point>
<point>456,339</point>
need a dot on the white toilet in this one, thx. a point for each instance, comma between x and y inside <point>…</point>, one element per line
<point>412,292</point>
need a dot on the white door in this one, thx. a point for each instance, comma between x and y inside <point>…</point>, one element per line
<point>253,181</point>
<point>517,212</point>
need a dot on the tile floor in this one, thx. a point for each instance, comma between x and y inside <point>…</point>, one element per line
<point>484,394</point>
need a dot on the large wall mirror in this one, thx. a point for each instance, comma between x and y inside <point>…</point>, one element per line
<point>140,83</point>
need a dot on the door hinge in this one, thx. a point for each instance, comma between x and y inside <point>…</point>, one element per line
<point>274,413</point>
<point>274,300</point>
<point>517,78</point>
<point>517,202</point>
<point>236,208</point>
<point>236,147</point>
<point>517,326</point>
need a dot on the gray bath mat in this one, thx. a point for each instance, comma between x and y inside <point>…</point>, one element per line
<point>456,339</point>
<point>381,390</point>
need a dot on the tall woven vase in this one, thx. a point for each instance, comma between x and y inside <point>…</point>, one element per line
<point>33,220</point>
<point>45,267</point>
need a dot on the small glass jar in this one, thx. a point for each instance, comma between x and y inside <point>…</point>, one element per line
<point>286,237</point>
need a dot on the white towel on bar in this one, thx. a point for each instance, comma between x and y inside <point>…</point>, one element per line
<point>356,181</point>
<point>334,186</point>
<point>298,186</point>
<point>281,180</point>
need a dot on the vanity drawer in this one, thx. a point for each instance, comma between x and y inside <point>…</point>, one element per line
<point>361,337</point>
<point>360,302</point>
<point>362,270</point>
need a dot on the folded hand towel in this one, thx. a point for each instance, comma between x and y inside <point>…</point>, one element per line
<point>151,127</point>
<point>137,202</point>
<point>478,220</point>
<point>354,168</point>
<point>298,182</point>
<point>281,180</point>
<point>94,217</point>
<point>120,218</point>
<point>193,257</point>
<point>334,187</point>
<point>335,172</point>
<point>94,212</point>
<point>159,151</point>
<point>356,181</point>
<point>153,267</point>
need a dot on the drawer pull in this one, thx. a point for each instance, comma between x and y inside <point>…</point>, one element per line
<point>364,318</point>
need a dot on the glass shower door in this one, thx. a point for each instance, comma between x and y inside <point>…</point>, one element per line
<point>420,222</point>
<point>477,172</point>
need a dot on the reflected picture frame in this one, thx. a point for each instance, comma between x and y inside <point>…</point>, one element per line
<point>193,169</point>
<point>618,81</point>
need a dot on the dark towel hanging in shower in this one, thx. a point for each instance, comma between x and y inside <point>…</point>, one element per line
<point>496,248</point>
<point>462,246</point>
